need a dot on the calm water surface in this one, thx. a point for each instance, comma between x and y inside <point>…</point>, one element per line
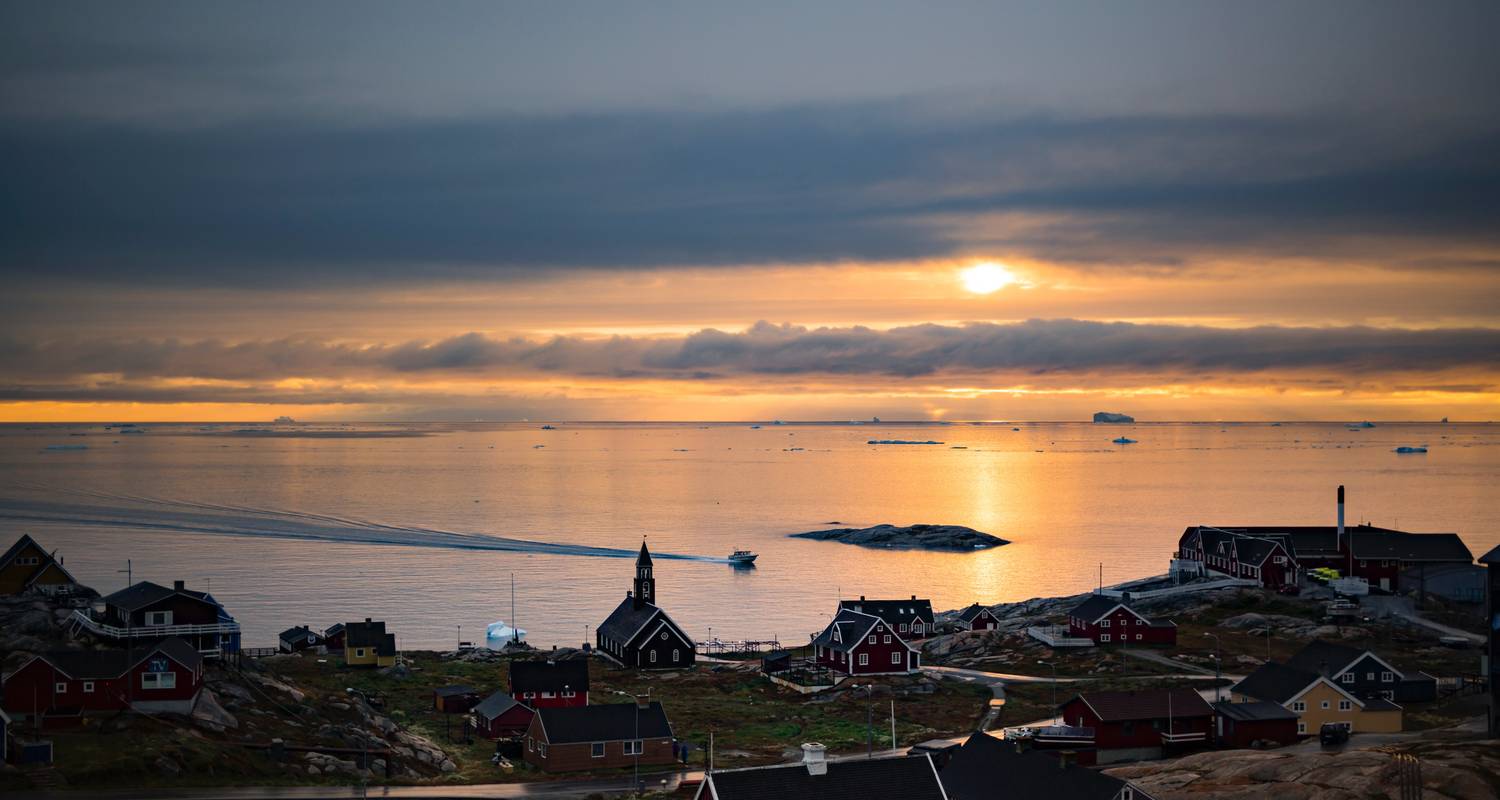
<point>427,531</point>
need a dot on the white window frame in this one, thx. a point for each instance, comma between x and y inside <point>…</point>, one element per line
<point>1325,705</point>
<point>158,680</point>
<point>541,749</point>
<point>547,695</point>
<point>1137,637</point>
<point>864,659</point>
<point>872,639</point>
<point>60,688</point>
<point>1345,705</point>
<point>1103,637</point>
<point>1387,677</point>
<point>652,659</point>
<point>152,618</point>
<point>631,747</point>
<point>887,638</point>
<point>895,658</point>
<point>1301,726</point>
<point>1299,706</point>
<point>1347,677</point>
<point>1105,623</point>
<point>676,656</point>
<point>88,687</point>
<point>1370,676</point>
<point>359,652</point>
<point>567,693</point>
<point>596,750</point>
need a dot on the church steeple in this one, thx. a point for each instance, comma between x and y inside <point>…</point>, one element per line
<point>645,585</point>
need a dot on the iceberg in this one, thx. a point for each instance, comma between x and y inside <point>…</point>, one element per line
<point>499,630</point>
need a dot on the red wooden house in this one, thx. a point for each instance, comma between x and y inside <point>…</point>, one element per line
<point>1243,724</point>
<point>550,684</point>
<point>147,612</point>
<point>977,618</point>
<point>856,643</point>
<point>606,736</point>
<point>455,699</point>
<point>335,636</point>
<point>500,715</point>
<point>162,677</point>
<point>1140,725</point>
<point>1108,620</point>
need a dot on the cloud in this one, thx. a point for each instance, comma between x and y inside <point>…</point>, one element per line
<point>1077,351</point>
<point>302,201</point>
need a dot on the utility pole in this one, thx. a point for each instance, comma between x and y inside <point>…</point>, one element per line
<point>870,722</point>
<point>1053,665</point>
<point>893,724</point>
<point>129,575</point>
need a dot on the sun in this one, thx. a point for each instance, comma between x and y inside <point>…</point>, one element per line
<point>986,278</point>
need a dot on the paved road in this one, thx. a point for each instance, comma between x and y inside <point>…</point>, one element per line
<point>1402,607</point>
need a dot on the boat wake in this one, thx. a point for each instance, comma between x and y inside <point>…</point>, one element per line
<point>110,510</point>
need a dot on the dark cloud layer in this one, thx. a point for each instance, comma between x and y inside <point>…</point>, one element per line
<point>301,201</point>
<point>1013,352</point>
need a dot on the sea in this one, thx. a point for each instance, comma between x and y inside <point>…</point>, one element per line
<point>443,529</point>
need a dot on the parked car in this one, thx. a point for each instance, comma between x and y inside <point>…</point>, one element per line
<point>1333,733</point>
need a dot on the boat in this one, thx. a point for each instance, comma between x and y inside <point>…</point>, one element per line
<point>1122,440</point>
<point>742,557</point>
<point>548,428</point>
<point>283,420</point>
<point>1407,449</point>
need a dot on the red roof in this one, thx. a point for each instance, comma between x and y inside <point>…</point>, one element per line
<point>1146,704</point>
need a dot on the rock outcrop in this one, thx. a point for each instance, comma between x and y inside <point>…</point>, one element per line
<point>918,537</point>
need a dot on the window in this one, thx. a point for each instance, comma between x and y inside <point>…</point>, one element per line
<point>901,627</point>
<point>359,652</point>
<point>88,687</point>
<point>916,627</point>
<point>1388,694</point>
<point>872,638</point>
<point>1302,727</point>
<point>1369,676</point>
<point>676,655</point>
<point>546,695</point>
<point>529,695</point>
<point>864,659</point>
<point>531,744</point>
<point>28,561</point>
<point>62,688</point>
<point>887,638</point>
<point>159,618</point>
<point>653,656</point>
<point>1362,562</point>
<point>1347,677</point>
<point>1104,624</point>
<point>596,750</point>
<point>1387,677</point>
<point>1345,705</point>
<point>541,749</point>
<point>633,748</point>
<point>1137,637</point>
<point>1299,706</point>
<point>158,680</point>
<point>569,693</point>
<point>895,658</point>
<point>1103,637</point>
<point>1325,705</point>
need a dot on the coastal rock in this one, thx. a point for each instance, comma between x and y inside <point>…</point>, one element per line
<point>921,537</point>
<point>1111,417</point>
<point>209,714</point>
<point>167,767</point>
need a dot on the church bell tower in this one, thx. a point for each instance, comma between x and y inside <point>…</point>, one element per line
<point>645,585</point>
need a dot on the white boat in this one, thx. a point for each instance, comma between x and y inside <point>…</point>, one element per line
<point>742,557</point>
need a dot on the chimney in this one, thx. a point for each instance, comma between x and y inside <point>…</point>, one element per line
<point>913,597</point>
<point>1341,515</point>
<point>815,758</point>
<point>1065,758</point>
<point>643,701</point>
<point>179,585</point>
<point>368,620</point>
<point>861,597</point>
<point>1323,669</point>
<point>1125,597</point>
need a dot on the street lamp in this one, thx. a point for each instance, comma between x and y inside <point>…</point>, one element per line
<point>636,785</point>
<point>1217,678</point>
<point>870,721</point>
<point>1053,665</point>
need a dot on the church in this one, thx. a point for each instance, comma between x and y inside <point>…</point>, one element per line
<point>638,633</point>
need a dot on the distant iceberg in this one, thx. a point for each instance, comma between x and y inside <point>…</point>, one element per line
<point>1111,417</point>
<point>900,441</point>
<point>500,630</point>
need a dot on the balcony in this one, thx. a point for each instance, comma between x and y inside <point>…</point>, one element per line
<point>84,619</point>
<point>1057,636</point>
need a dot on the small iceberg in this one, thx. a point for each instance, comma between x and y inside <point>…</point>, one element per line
<point>1407,449</point>
<point>899,441</point>
<point>499,630</point>
<point>1122,440</point>
<point>67,447</point>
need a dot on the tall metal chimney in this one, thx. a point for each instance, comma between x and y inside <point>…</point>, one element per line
<point>1341,515</point>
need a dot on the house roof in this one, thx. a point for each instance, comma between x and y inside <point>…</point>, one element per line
<point>1380,704</point>
<point>1257,711</point>
<point>1376,543</point>
<point>968,614</point>
<point>46,561</point>
<point>364,634</point>
<point>1280,683</point>
<point>626,620</point>
<point>100,664</point>
<point>1254,550</point>
<point>604,723</point>
<point>906,777</point>
<point>1146,704</point>
<point>334,629</point>
<point>985,768</point>
<point>146,593</point>
<point>644,558</point>
<point>894,612</point>
<point>1492,557</point>
<point>454,690</point>
<point>851,626</point>
<point>549,676</point>
<point>496,704</point>
<point>15,549</point>
<point>299,632</point>
<point>1096,606</point>
<point>1319,655</point>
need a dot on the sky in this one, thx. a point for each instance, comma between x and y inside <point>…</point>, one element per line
<point>500,211</point>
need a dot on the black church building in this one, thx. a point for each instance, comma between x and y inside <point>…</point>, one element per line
<point>638,633</point>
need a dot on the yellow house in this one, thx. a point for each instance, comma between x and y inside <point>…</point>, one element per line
<point>366,644</point>
<point>1316,700</point>
<point>27,567</point>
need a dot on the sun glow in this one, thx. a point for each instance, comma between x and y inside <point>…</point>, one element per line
<point>986,278</point>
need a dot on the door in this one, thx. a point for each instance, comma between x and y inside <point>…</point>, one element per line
<point>1385,584</point>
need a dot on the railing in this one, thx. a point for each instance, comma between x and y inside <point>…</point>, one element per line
<point>1187,736</point>
<point>92,625</point>
<point>1057,636</point>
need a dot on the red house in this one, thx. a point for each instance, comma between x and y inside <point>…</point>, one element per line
<point>1107,620</point>
<point>1141,725</point>
<point>855,643</point>
<point>977,618</point>
<point>550,684</point>
<point>1243,724</point>
<point>334,637</point>
<point>162,677</point>
<point>500,715</point>
<point>147,612</point>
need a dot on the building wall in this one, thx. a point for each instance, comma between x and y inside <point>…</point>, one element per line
<point>1238,733</point>
<point>579,756</point>
<point>557,700</point>
<point>1369,679</point>
<point>1145,733</point>
<point>14,576</point>
<point>185,611</point>
<point>1313,717</point>
<point>34,689</point>
<point>516,719</point>
<point>1122,623</point>
<point>651,651</point>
